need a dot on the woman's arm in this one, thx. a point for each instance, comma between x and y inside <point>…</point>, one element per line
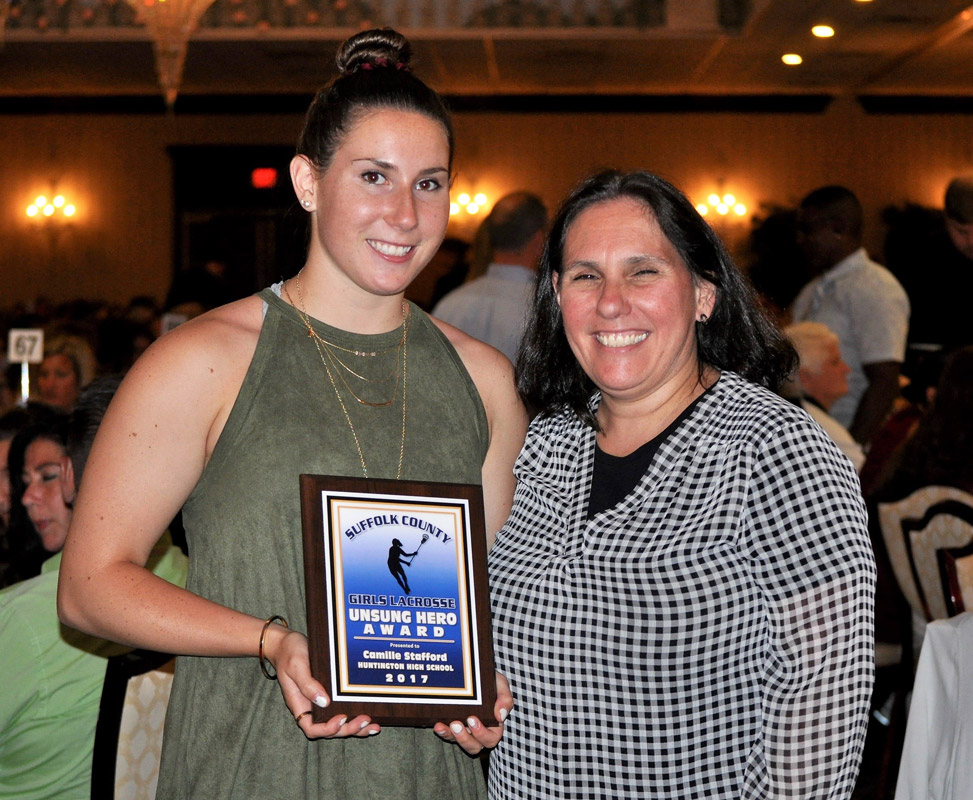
<point>807,538</point>
<point>148,455</point>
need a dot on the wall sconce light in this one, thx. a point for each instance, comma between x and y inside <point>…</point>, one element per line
<point>55,208</point>
<point>727,205</point>
<point>471,205</point>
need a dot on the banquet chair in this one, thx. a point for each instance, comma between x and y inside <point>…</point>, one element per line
<point>128,736</point>
<point>914,529</point>
<point>956,573</point>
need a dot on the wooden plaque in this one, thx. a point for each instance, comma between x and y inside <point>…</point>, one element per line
<point>398,608</point>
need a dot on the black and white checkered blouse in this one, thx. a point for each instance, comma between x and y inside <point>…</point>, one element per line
<point>709,636</point>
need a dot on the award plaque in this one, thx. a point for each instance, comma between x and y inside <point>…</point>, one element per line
<point>398,611</point>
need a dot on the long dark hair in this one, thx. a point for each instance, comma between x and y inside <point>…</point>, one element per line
<point>374,73</point>
<point>739,336</point>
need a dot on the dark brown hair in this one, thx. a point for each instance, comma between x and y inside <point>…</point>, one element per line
<point>374,73</point>
<point>740,335</point>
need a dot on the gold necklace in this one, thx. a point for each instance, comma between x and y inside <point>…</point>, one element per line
<point>320,341</point>
<point>361,401</point>
<point>313,334</point>
<point>403,344</point>
<point>385,379</point>
<point>333,345</point>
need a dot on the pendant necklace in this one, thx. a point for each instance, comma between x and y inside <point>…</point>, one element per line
<point>326,352</point>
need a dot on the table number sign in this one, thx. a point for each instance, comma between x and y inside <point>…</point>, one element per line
<point>26,346</point>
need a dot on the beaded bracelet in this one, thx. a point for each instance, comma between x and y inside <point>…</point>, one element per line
<point>260,651</point>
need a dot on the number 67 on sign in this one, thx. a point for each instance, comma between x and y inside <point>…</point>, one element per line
<point>25,345</point>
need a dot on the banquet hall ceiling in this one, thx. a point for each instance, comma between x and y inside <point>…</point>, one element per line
<point>507,48</point>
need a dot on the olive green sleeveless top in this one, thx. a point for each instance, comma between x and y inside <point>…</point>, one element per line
<point>228,731</point>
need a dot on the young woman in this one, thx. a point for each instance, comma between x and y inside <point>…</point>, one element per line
<point>332,373</point>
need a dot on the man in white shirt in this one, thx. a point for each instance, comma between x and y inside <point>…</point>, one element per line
<point>493,308</point>
<point>861,301</point>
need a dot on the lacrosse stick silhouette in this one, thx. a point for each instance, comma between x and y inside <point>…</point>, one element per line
<point>425,538</point>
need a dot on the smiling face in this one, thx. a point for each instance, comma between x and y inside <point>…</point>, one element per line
<point>45,475</point>
<point>57,382</point>
<point>380,208</point>
<point>628,302</point>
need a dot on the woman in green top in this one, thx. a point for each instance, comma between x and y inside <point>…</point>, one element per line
<point>331,372</point>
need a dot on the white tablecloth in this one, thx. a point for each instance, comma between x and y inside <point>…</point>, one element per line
<point>937,758</point>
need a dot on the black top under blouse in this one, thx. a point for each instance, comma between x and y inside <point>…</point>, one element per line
<point>615,477</point>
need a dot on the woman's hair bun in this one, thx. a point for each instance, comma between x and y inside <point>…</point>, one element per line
<point>380,47</point>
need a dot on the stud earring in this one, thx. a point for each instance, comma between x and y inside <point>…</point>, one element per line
<point>702,319</point>
<point>306,203</point>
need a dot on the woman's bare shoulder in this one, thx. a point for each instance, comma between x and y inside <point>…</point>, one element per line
<point>491,370</point>
<point>481,360</point>
<point>196,370</point>
<point>230,331</point>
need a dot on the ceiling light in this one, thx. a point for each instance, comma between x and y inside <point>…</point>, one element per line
<point>823,31</point>
<point>791,59</point>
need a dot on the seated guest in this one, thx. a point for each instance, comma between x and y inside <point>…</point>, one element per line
<point>53,675</point>
<point>68,366</point>
<point>16,531</point>
<point>40,439</point>
<point>821,378</point>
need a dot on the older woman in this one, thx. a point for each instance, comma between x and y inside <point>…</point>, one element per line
<point>683,590</point>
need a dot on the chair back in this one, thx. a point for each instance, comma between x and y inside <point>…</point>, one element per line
<point>128,737</point>
<point>956,573</point>
<point>930,519</point>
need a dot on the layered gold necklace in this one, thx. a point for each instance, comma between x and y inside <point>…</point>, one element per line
<point>328,351</point>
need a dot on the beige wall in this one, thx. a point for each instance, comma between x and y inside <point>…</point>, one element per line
<point>118,169</point>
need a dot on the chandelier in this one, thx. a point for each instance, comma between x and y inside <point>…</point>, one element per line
<point>170,23</point>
